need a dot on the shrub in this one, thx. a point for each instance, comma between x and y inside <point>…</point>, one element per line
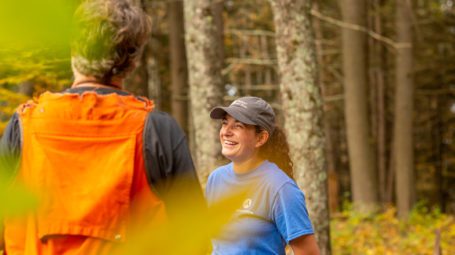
<point>383,233</point>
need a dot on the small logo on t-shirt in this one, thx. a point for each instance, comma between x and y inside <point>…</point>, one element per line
<point>246,207</point>
<point>247,203</point>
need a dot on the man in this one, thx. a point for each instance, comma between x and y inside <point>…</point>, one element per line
<point>99,158</point>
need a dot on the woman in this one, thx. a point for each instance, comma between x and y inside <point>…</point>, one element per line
<point>274,214</point>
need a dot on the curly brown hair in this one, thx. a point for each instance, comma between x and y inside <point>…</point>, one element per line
<point>108,38</point>
<point>276,150</point>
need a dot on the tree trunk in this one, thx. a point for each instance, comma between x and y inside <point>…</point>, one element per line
<point>404,98</point>
<point>153,75</point>
<point>381,147</point>
<point>333,179</point>
<point>145,80</point>
<point>204,66</point>
<point>361,157</point>
<point>217,12</point>
<point>302,108</point>
<point>26,88</point>
<point>179,72</point>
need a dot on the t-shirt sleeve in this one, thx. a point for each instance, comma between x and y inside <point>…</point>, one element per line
<point>290,214</point>
<point>10,146</point>
<point>167,157</point>
<point>11,139</point>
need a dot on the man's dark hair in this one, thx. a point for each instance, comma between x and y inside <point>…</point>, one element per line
<point>108,38</point>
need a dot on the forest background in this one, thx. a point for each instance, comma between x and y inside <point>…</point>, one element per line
<point>364,88</point>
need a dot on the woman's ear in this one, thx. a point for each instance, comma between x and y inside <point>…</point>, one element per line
<point>262,138</point>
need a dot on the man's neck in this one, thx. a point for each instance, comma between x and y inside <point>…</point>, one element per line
<point>81,80</point>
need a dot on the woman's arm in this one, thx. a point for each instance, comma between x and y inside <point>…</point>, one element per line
<point>291,218</point>
<point>305,245</point>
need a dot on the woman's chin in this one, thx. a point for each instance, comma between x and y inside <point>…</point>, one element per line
<point>228,154</point>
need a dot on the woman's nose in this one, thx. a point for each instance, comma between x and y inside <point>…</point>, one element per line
<point>226,130</point>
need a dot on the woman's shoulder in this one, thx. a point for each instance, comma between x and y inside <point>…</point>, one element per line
<point>216,182</point>
<point>220,171</point>
<point>276,177</point>
<point>273,171</point>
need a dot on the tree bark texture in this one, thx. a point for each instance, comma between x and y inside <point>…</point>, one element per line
<point>404,98</point>
<point>361,156</point>
<point>217,10</point>
<point>145,79</point>
<point>204,68</point>
<point>179,72</point>
<point>153,76</point>
<point>380,104</point>
<point>27,88</point>
<point>302,108</point>
<point>333,179</point>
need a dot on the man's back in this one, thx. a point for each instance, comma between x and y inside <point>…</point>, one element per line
<point>88,164</point>
<point>79,154</point>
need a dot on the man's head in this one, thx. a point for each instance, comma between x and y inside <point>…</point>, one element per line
<point>108,38</point>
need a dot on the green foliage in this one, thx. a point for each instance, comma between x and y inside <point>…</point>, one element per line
<point>8,103</point>
<point>34,40</point>
<point>34,47</point>
<point>40,66</point>
<point>384,233</point>
<point>31,23</point>
<point>16,199</point>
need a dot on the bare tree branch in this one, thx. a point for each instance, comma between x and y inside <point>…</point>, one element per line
<point>374,35</point>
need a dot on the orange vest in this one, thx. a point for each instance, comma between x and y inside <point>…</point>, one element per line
<point>83,156</point>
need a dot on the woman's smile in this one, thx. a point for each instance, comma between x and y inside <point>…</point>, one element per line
<point>238,140</point>
<point>229,143</point>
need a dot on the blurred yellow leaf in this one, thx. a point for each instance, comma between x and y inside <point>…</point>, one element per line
<point>189,228</point>
<point>15,198</point>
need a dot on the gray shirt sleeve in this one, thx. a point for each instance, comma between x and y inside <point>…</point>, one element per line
<point>10,146</point>
<point>170,168</point>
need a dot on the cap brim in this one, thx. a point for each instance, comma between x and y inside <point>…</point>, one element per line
<point>219,113</point>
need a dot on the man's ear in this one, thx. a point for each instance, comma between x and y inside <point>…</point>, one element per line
<point>262,138</point>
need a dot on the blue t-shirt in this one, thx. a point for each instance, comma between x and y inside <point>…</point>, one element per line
<point>273,213</point>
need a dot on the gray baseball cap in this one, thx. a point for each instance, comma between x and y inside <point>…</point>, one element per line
<point>248,110</point>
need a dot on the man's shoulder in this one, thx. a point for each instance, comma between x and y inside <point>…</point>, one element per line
<point>161,117</point>
<point>162,124</point>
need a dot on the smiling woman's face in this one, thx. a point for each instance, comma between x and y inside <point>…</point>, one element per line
<point>239,141</point>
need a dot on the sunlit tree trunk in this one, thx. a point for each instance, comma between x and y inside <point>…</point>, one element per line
<point>302,108</point>
<point>152,70</point>
<point>179,72</point>
<point>204,68</point>
<point>361,156</point>
<point>404,98</point>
